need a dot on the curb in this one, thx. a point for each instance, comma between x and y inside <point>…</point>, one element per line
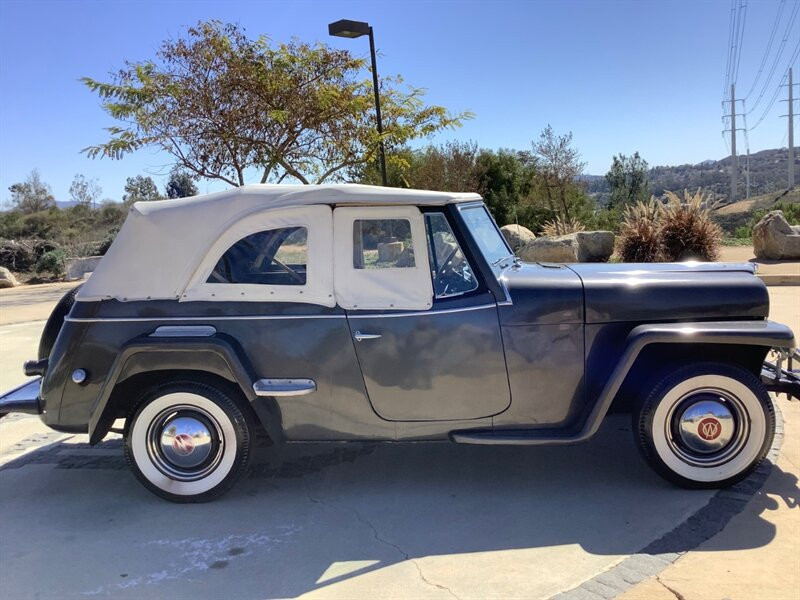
<point>778,279</point>
<point>702,525</point>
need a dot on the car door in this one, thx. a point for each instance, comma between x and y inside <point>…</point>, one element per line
<point>421,361</point>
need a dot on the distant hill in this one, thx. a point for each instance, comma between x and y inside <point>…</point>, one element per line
<point>768,173</point>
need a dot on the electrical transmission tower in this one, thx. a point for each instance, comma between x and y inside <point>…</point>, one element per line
<point>790,116</point>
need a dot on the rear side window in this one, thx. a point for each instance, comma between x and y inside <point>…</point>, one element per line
<point>271,257</point>
<point>382,244</point>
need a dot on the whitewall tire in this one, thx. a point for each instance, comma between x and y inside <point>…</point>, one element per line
<point>188,441</point>
<point>707,425</point>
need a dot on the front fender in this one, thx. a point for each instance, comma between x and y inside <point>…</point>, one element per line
<point>216,355</point>
<point>751,333</point>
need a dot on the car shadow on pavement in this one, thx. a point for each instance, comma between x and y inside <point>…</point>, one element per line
<point>307,507</point>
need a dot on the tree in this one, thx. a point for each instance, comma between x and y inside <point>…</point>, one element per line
<point>627,179</point>
<point>180,185</point>
<point>504,183</point>
<point>557,165</point>
<point>225,106</point>
<point>140,188</point>
<point>32,195</point>
<point>85,191</point>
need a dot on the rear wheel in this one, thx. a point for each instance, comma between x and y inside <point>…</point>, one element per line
<point>188,441</point>
<point>705,426</point>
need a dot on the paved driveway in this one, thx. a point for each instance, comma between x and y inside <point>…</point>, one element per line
<point>330,520</point>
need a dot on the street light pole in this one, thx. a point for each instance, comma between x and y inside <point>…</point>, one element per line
<point>381,151</point>
<point>354,29</point>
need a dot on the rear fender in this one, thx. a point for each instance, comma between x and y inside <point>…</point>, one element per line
<point>215,355</point>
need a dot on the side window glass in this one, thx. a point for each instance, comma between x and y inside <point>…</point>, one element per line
<point>451,273</point>
<point>272,257</point>
<point>382,244</point>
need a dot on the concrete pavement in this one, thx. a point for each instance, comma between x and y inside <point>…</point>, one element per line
<point>371,521</point>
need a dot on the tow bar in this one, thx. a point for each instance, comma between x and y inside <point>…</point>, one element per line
<point>782,380</point>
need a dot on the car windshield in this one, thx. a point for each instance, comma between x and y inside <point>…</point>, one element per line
<point>487,236</point>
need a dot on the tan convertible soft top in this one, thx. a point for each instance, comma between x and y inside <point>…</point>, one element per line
<point>162,243</point>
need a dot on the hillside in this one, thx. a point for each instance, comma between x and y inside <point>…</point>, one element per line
<point>768,174</point>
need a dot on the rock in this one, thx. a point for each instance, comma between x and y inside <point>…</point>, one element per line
<point>584,246</point>
<point>595,246</point>
<point>406,258</point>
<point>7,279</point>
<point>563,249</point>
<point>775,239</point>
<point>517,236</point>
<point>77,268</point>
<point>389,251</point>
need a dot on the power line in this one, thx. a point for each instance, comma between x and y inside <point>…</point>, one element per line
<point>769,47</point>
<point>775,62</point>
<point>731,27</point>
<point>795,54</point>
<point>740,39</point>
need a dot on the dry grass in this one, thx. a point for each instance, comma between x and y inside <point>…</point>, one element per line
<point>638,239</point>
<point>686,230</point>
<point>560,226</point>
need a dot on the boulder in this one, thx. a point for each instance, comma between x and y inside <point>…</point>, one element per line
<point>775,239</point>
<point>584,246</point>
<point>563,249</point>
<point>517,236</point>
<point>7,279</point>
<point>77,268</point>
<point>389,251</point>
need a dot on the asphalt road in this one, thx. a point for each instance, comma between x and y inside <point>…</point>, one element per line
<point>330,520</point>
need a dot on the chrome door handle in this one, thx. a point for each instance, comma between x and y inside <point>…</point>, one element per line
<point>360,337</point>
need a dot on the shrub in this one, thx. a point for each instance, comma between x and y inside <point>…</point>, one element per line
<point>22,255</point>
<point>638,239</point>
<point>53,262</point>
<point>686,230</point>
<point>559,226</point>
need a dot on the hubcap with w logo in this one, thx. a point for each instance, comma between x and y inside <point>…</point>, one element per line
<point>707,427</point>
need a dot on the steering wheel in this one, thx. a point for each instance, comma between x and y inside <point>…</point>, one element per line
<point>445,264</point>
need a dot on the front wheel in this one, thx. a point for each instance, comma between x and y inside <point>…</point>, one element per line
<point>707,425</point>
<point>188,441</point>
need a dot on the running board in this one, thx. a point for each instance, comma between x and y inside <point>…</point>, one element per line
<point>515,437</point>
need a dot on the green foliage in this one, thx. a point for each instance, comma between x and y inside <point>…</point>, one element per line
<point>627,180</point>
<point>53,262</point>
<point>222,104</point>
<point>791,210</point>
<point>504,181</point>
<point>180,185</point>
<point>140,189</point>
<point>32,195</point>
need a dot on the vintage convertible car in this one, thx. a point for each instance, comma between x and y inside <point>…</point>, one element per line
<point>347,312</point>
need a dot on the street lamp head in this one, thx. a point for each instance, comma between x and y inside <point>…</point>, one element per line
<point>348,29</point>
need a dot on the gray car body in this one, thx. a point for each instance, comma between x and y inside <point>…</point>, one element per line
<point>537,354</point>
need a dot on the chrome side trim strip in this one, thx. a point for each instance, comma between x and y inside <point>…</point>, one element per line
<point>284,387</point>
<point>206,319</point>
<point>184,331</point>
<point>421,313</point>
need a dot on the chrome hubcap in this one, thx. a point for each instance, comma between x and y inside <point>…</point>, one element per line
<point>707,428</point>
<point>184,443</point>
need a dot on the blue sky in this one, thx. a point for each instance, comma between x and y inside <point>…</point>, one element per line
<point>622,76</point>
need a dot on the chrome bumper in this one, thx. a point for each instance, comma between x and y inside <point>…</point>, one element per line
<point>22,399</point>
